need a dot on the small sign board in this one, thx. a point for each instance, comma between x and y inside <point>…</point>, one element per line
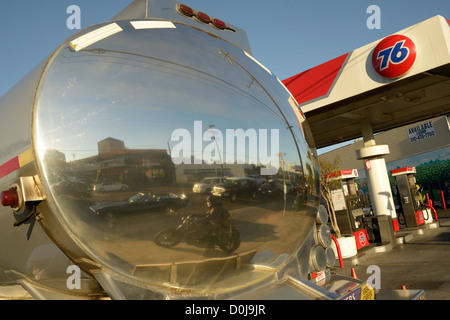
<point>421,132</point>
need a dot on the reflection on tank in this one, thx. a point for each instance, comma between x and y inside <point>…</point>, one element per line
<point>114,168</point>
<point>213,228</point>
<point>152,112</point>
<point>142,202</point>
<point>145,223</point>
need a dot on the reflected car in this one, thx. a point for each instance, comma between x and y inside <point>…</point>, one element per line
<point>259,180</point>
<point>271,188</point>
<point>109,186</point>
<point>143,202</point>
<point>74,188</point>
<point>234,188</point>
<point>206,185</point>
<point>292,187</point>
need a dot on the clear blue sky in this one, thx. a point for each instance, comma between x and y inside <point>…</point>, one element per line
<point>287,36</point>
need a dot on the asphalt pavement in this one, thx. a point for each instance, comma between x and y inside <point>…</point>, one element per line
<point>419,261</point>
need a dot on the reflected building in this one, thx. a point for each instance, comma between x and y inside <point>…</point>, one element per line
<point>114,163</point>
<point>132,166</point>
<point>191,173</point>
<point>110,145</point>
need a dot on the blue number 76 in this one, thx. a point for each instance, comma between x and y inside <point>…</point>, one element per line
<point>395,54</point>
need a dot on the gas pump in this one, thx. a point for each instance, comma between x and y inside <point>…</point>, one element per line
<point>409,198</point>
<point>348,207</point>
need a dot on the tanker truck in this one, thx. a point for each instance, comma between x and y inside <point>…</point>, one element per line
<point>103,142</point>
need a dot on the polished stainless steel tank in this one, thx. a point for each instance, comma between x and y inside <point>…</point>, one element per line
<point>106,139</point>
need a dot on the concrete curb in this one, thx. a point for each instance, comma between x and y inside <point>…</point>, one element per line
<point>403,236</point>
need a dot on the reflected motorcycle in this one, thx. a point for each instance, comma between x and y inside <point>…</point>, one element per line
<point>226,238</point>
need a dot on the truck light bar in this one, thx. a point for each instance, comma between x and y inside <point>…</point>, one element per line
<point>202,17</point>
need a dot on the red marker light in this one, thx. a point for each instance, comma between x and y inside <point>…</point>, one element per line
<point>203,17</point>
<point>10,198</point>
<point>219,24</point>
<point>187,11</point>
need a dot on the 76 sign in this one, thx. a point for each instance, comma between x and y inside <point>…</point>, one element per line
<point>394,56</point>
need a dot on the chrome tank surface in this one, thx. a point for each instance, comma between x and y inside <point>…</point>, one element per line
<point>122,128</point>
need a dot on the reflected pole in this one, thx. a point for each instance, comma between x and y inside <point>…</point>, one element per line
<point>217,146</point>
<point>282,163</point>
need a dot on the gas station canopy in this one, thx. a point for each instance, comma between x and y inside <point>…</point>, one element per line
<point>401,79</point>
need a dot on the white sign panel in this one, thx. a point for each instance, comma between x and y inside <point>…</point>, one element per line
<point>337,196</point>
<point>421,132</point>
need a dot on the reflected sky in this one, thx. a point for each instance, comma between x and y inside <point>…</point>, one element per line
<point>143,84</point>
<point>130,92</point>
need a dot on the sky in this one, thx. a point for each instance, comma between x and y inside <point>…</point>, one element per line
<point>287,36</point>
